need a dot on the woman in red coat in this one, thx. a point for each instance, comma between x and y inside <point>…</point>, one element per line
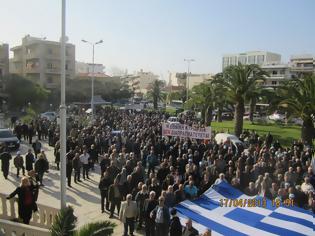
<point>26,200</point>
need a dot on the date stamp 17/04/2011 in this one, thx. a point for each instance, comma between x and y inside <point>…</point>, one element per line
<point>253,202</point>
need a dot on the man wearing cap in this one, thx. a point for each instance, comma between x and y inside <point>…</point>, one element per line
<point>19,164</point>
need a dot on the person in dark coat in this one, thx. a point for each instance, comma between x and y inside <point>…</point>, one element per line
<point>76,164</point>
<point>104,186</point>
<point>18,130</point>
<point>24,131</point>
<point>41,166</point>
<point>26,200</point>
<point>149,206</point>
<point>69,167</point>
<point>161,215</point>
<point>189,230</point>
<point>57,158</point>
<point>30,133</point>
<point>5,157</point>
<point>175,225</point>
<point>115,197</point>
<point>37,146</point>
<point>29,160</point>
<point>19,164</point>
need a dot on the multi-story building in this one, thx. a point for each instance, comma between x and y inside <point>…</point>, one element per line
<point>4,59</point>
<point>39,60</point>
<point>87,68</point>
<point>302,65</point>
<point>278,73</point>
<point>253,57</point>
<point>180,79</point>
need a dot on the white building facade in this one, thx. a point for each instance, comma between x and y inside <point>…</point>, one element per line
<point>252,57</point>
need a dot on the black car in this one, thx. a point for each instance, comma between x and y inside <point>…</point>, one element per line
<point>9,139</point>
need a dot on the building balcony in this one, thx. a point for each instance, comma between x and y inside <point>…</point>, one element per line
<point>32,56</point>
<point>303,68</point>
<point>53,70</point>
<point>32,70</point>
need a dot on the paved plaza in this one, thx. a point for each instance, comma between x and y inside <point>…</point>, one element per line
<point>84,197</point>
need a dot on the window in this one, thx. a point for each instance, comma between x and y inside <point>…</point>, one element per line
<point>274,82</point>
<point>67,67</point>
<point>232,60</point>
<point>50,80</point>
<point>49,65</point>
<point>251,59</point>
<point>260,59</point>
<point>274,72</point>
<point>242,59</point>
<point>50,52</point>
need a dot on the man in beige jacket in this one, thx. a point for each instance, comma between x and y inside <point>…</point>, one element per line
<point>128,213</point>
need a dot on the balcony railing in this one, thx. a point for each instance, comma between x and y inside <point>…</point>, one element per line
<point>43,218</point>
<point>10,228</point>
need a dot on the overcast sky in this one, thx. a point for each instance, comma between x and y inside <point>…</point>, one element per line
<point>156,35</point>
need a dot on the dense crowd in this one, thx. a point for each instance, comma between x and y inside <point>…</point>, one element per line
<point>144,175</point>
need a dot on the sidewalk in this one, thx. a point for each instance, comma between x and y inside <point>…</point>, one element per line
<point>84,197</point>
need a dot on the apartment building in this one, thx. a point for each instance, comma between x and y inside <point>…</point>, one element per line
<point>39,60</point>
<point>252,57</point>
<point>180,79</point>
<point>4,59</point>
<point>278,73</point>
<point>87,68</point>
<point>303,64</point>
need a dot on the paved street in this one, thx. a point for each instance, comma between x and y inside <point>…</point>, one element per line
<point>84,197</point>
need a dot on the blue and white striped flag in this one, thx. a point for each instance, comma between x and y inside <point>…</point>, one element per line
<point>207,212</point>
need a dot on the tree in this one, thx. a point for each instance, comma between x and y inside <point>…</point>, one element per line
<point>65,222</point>
<point>203,97</point>
<point>22,91</point>
<point>155,92</point>
<point>298,98</point>
<point>238,81</point>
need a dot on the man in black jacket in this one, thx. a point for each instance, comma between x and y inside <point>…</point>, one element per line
<point>149,206</point>
<point>189,230</point>
<point>29,160</point>
<point>5,157</point>
<point>175,225</point>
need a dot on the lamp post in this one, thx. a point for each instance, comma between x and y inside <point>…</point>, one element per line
<point>187,79</point>
<point>93,65</point>
<point>63,108</point>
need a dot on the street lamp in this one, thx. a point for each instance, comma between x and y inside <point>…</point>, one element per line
<point>187,78</point>
<point>93,65</point>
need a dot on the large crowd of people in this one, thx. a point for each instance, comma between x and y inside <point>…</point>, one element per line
<point>144,175</point>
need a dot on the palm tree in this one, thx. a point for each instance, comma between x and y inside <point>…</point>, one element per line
<point>299,100</point>
<point>65,222</point>
<point>202,97</point>
<point>238,81</point>
<point>155,93</point>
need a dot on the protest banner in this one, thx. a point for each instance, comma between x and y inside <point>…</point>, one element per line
<point>185,131</point>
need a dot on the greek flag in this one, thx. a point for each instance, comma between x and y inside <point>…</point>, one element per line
<point>208,212</point>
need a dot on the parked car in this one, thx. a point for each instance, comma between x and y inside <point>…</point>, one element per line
<point>277,117</point>
<point>49,115</point>
<point>238,145</point>
<point>173,119</point>
<point>227,116</point>
<point>9,139</point>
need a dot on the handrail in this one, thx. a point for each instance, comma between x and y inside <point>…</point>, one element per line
<point>42,218</point>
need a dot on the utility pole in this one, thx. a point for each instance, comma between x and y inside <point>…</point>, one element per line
<point>187,78</point>
<point>63,108</point>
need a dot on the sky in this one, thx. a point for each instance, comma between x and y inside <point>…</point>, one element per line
<point>157,35</point>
